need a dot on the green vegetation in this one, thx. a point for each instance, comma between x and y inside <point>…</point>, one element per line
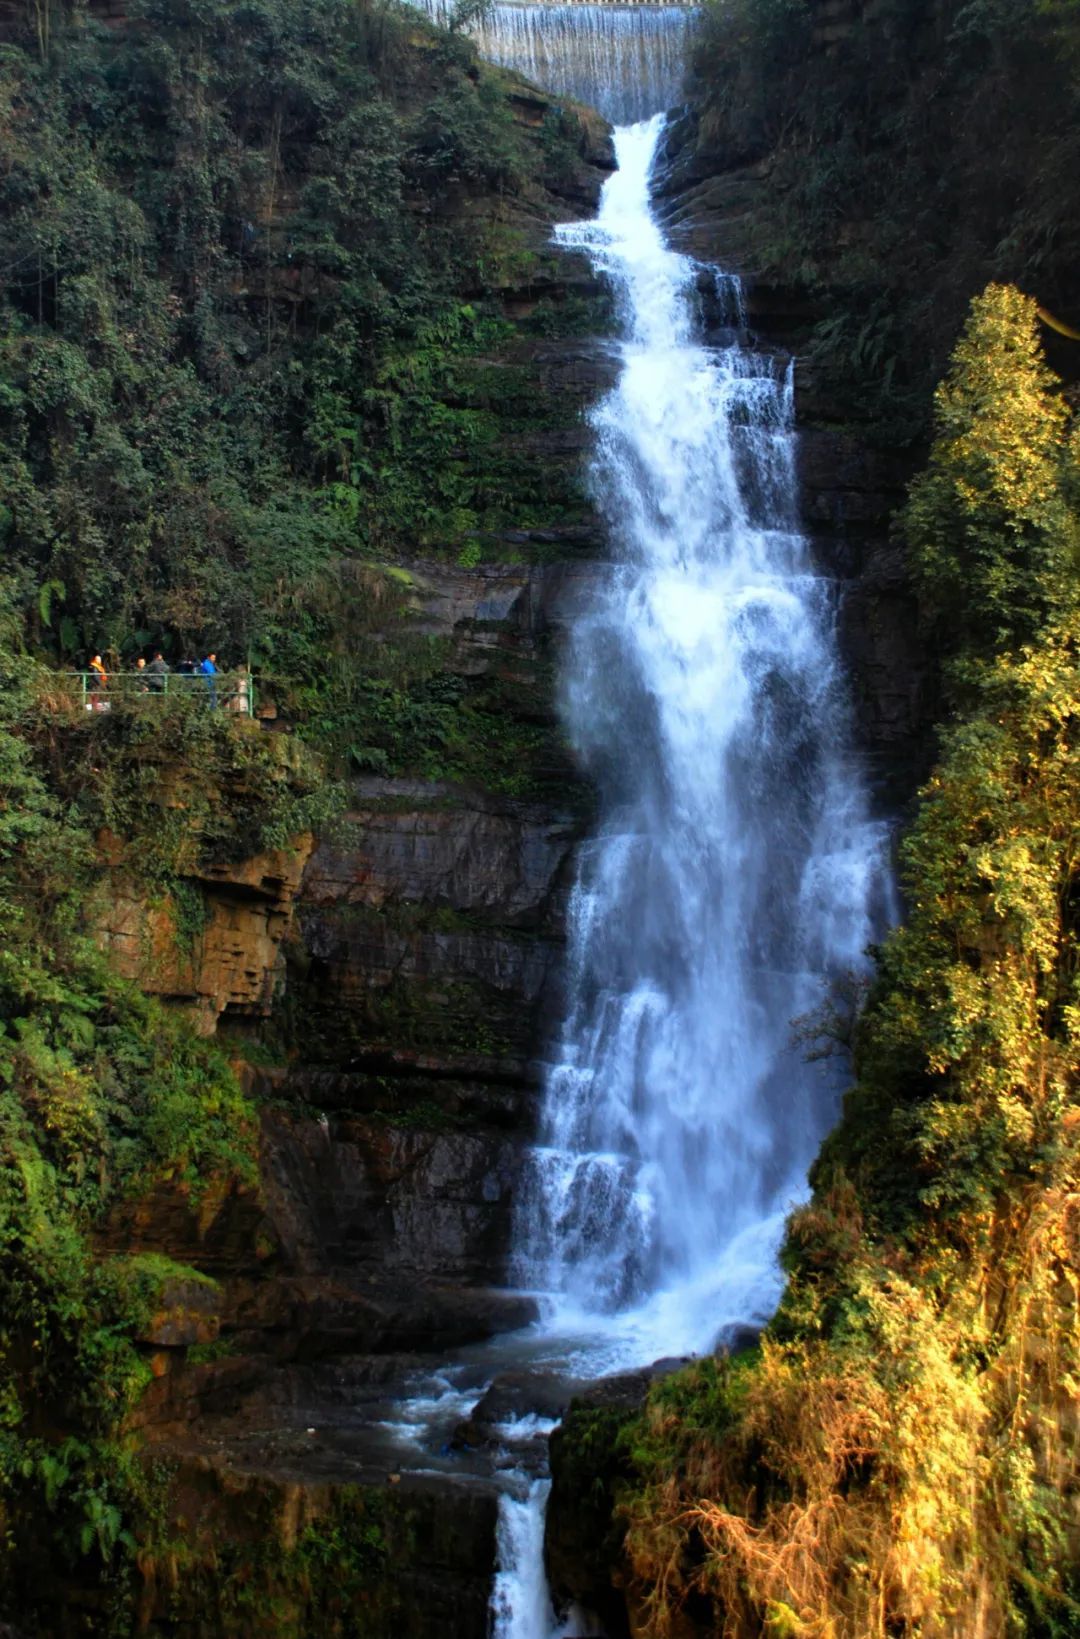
<point>177,788</point>
<point>915,150</point>
<point>252,340</point>
<point>329,1577</point>
<point>103,1095</point>
<point>253,348</point>
<point>901,1456</point>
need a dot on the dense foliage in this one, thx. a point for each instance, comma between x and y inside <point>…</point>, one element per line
<point>250,257</point>
<point>915,149</point>
<point>102,1094</point>
<point>901,1454</point>
<point>252,351</point>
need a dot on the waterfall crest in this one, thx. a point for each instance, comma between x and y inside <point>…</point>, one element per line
<point>736,865</point>
<point>625,60</point>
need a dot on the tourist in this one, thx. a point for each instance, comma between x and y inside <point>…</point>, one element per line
<point>158,671</point>
<point>209,671</point>
<point>97,682</point>
<point>240,698</point>
<point>140,676</point>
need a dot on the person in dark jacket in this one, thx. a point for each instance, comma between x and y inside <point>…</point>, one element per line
<point>157,672</point>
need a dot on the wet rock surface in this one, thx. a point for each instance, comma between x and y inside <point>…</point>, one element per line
<point>403,1554</point>
<point>363,1237</point>
<point>582,1538</point>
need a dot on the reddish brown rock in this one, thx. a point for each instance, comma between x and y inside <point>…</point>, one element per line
<point>230,962</point>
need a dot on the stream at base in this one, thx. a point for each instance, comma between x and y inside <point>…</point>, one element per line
<point>734,874</point>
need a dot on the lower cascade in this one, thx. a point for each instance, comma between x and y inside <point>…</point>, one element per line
<point>736,869</point>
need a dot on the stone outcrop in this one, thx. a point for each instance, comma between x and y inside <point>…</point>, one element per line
<point>385,1556</point>
<point>362,1239</point>
<point>360,1258</point>
<point>583,1532</point>
<point>217,954</point>
<point>433,939</point>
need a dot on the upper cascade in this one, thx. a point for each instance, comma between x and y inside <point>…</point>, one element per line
<point>623,58</point>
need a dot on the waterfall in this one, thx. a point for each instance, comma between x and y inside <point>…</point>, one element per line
<point>625,60</point>
<point>735,867</point>
<point>521,1605</point>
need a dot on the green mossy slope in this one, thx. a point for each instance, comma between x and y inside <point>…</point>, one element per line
<point>904,154</point>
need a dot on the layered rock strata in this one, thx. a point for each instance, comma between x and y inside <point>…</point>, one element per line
<point>226,965</point>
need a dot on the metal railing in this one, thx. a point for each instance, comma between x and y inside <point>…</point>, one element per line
<point>224,691</point>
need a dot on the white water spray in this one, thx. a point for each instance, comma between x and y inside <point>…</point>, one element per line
<point>521,1605</point>
<point>736,866</point>
<point>625,60</point>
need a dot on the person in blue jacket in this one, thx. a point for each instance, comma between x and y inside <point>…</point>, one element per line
<point>209,670</point>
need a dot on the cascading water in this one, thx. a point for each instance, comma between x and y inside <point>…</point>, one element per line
<point>735,870</point>
<point>736,866</point>
<point>625,60</point>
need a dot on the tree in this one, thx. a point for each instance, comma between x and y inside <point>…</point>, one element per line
<point>989,522</point>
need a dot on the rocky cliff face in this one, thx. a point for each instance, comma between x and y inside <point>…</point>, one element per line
<point>226,961</point>
<point>389,987</point>
<point>423,973</point>
<point>422,977</point>
<point>431,916</point>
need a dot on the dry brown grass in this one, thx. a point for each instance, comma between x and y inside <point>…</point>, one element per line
<point>900,1482</point>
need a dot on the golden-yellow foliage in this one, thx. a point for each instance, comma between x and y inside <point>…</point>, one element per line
<point>904,1479</point>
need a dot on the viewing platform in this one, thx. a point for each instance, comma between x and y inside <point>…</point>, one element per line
<point>226,691</point>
